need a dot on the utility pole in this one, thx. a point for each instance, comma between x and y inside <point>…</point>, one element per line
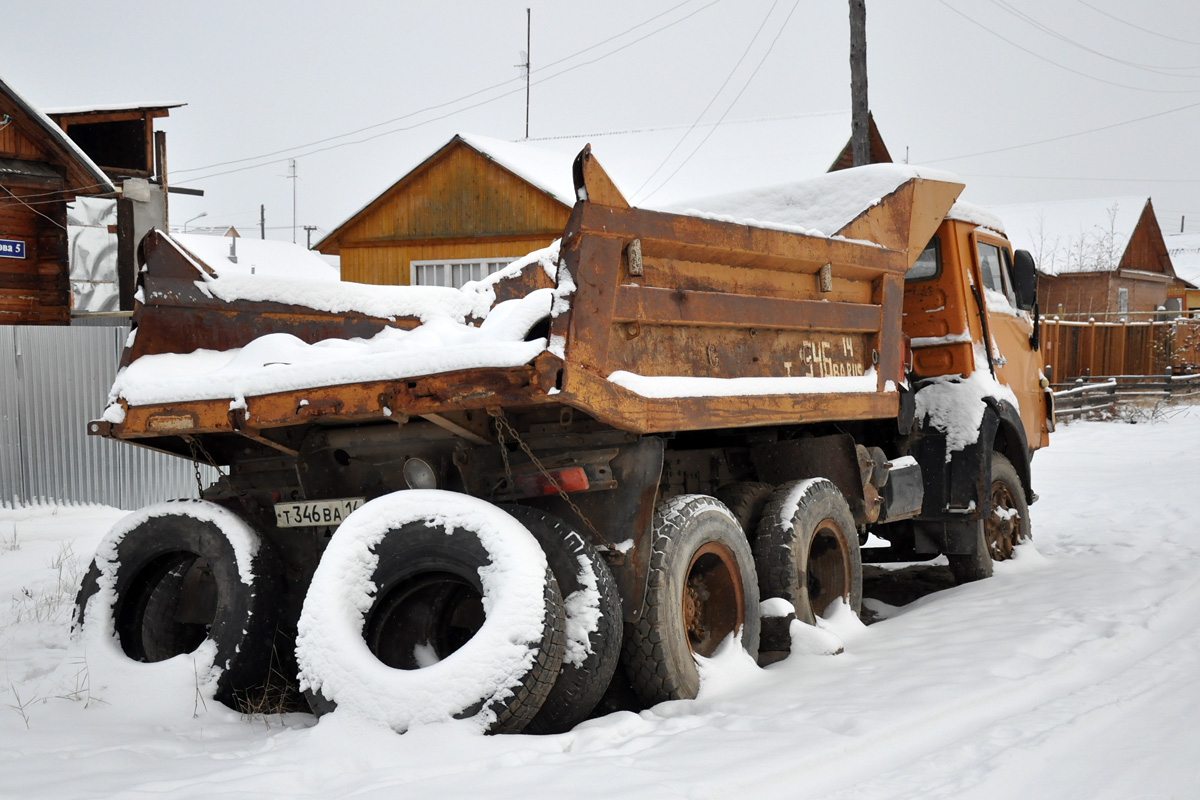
<point>293,176</point>
<point>308,229</point>
<point>262,221</point>
<point>860,142</point>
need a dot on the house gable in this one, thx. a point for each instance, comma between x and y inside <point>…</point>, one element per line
<point>1146,250</point>
<point>458,193</point>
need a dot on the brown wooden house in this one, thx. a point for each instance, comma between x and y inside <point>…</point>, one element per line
<point>41,170</point>
<point>478,203</point>
<point>1101,258</point>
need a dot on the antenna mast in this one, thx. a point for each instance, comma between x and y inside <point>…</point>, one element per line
<point>528,61</point>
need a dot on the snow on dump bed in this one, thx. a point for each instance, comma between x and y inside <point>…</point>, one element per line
<point>821,206</point>
<point>279,362</point>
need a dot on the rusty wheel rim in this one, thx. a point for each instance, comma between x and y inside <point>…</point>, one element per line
<point>713,598</point>
<point>827,576</point>
<point>1003,526</point>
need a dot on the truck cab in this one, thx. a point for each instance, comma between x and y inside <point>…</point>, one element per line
<point>970,304</point>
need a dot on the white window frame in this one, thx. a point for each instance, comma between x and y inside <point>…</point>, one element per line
<point>490,265</point>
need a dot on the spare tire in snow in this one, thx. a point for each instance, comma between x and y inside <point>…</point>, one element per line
<point>428,606</point>
<point>700,589</point>
<point>186,577</point>
<point>594,622</point>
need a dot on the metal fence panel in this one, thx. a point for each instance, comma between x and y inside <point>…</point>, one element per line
<point>55,380</point>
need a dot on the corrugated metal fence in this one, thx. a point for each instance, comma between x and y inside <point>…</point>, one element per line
<point>53,380</point>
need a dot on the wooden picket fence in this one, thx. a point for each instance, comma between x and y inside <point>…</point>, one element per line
<point>1085,349</point>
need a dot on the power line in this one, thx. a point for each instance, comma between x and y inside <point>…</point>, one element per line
<point>468,96</point>
<point>1090,178</point>
<point>1063,66</point>
<point>716,94</point>
<point>1003,5</point>
<point>1064,136</point>
<point>681,126</point>
<point>1135,27</point>
<point>745,86</point>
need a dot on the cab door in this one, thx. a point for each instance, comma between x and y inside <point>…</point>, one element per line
<point>1017,365</point>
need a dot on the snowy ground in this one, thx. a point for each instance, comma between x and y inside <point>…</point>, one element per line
<point>1071,674</point>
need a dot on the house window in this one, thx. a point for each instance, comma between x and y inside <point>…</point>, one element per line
<point>455,273</point>
<point>1122,301</point>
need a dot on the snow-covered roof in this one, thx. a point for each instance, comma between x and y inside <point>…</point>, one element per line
<point>55,133</point>
<point>109,108</point>
<point>736,156</point>
<point>1087,235</point>
<point>1184,249</point>
<point>265,258</point>
<point>820,206</point>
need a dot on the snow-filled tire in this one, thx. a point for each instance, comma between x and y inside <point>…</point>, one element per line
<point>173,576</point>
<point>807,553</point>
<point>593,617</point>
<point>394,627</point>
<point>1005,527</point>
<point>746,501</point>
<point>700,588</point>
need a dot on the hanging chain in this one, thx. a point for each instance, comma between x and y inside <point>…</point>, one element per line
<point>196,466</point>
<point>502,425</point>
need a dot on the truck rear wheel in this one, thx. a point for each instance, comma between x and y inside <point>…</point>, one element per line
<point>807,552</point>
<point>175,575</point>
<point>1005,527</point>
<point>593,618</point>
<point>701,589</point>
<point>746,501</point>
<point>428,606</point>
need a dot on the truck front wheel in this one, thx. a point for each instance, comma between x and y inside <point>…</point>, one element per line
<point>1005,526</point>
<point>701,589</point>
<point>807,553</point>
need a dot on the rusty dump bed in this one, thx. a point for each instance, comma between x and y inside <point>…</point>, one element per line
<point>660,302</point>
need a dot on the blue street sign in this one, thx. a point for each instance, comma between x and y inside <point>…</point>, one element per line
<point>11,248</point>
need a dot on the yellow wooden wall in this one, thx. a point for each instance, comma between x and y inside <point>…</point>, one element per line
<point>458,205</point>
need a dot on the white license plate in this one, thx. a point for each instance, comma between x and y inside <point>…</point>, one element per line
<point>315,513</point>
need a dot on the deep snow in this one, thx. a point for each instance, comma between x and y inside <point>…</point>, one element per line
<point>1071,674</point>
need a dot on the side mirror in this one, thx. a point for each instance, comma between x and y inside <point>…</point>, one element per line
<point>1025,280</point>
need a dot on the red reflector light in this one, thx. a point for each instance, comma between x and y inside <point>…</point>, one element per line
<point>573,479</point>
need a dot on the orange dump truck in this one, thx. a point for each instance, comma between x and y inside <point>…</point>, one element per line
<point>577,476</point>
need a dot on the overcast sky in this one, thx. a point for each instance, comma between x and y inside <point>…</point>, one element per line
<point>1105,94</point>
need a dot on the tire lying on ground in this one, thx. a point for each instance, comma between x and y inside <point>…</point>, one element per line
<point>593,618</point>
<point>807,552</point>
<point>701,589</point>
<point>186,577</point>
<point>428,606</point>
<point>1005,526</point>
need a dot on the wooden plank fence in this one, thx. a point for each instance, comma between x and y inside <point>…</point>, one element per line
<point>1085,349</point>
<point>1102,396</point>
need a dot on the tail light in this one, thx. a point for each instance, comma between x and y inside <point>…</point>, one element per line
<point>571,479</point>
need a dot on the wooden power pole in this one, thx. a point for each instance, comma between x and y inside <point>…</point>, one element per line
<point>860,140</point>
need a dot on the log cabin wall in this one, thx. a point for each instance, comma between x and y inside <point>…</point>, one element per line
<point>458,205</point>
<point>34,289</point>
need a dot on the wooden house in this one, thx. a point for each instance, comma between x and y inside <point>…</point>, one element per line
<point>1102,258</point>
<point>478,203</point>
<point>41,170</point>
